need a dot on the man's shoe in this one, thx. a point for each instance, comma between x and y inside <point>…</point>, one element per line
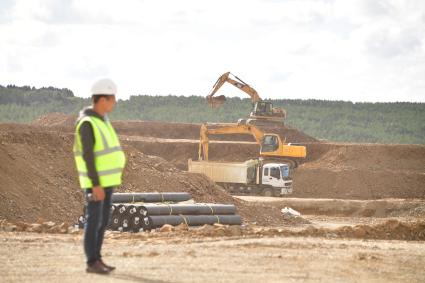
<point>97,267</point>
<point>109,267</point>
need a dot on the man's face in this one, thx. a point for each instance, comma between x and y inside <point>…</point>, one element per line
<point>108,103</point>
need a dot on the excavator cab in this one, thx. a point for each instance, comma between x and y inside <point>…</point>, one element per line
<point>262,108</point>
<point>270,143</point>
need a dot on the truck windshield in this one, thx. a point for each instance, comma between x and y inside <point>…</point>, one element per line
<point>274,172</point>
<point>284,169</point>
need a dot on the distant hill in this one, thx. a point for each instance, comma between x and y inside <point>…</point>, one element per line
<point>399,122</point>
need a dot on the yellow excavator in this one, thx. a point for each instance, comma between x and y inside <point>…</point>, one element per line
<point>263,112</point>
<point>271,146</point>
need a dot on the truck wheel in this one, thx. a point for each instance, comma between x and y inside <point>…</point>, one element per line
<point>268,192</point>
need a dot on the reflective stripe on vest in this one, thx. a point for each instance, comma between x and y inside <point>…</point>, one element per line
<point>102,152</point>
<point>102,173</point>
<point>109,157</point>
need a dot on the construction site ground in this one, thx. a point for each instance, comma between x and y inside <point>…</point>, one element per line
<point>362,211</point>
<point>30,257</point>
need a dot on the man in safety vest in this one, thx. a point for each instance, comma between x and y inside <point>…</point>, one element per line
<point>100,162</point>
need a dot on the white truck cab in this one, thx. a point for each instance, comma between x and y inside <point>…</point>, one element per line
<point>277,175</point>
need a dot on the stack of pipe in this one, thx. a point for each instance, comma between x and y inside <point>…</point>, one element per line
<point>156,215</point>
<point>146,211</point>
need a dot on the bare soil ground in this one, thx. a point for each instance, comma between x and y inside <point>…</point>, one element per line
<point>362,205</point>
<point>383,208</point>
<point>29,257</point>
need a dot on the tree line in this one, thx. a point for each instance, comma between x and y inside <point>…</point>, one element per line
<point>399,122</point>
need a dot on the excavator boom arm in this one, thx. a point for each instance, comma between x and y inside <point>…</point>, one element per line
<point>237,82</point>
<point>225,129</point>
<point>271,144</point>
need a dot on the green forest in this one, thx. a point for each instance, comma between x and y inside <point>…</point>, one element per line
<point>399,122</point>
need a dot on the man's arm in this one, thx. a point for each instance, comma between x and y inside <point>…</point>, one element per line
<point>87,141</point>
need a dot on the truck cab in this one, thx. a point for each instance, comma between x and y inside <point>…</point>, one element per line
<point>278,176</point>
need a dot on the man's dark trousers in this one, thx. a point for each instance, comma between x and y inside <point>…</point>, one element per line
<point>97,218</point>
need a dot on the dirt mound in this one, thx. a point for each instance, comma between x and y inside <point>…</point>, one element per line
<point>158,129</point>
<point>332,170</point>
<point>39,227</point>
<point>389,230</point>
<point>347,208</point>
<point>347,171</point>
<point>55,119</point>
<point>163,130</point>
<point>147,173</point>
<point>38,178</point>
<point>362,171</point>
<point>358,184</point>
<point>372,157</point>
<point>179,152</point>
<point>392,229</point>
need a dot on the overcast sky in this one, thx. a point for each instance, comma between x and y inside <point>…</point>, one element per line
<point>356,50</point>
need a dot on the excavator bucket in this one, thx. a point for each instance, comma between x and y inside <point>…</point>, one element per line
<point>215,102</point>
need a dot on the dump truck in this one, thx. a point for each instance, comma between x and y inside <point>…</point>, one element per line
<point>251,177</point>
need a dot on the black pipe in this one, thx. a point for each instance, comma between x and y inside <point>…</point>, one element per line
<point>120,218</point>
<point>113,218</point>
<point>126,224</point>
<point>187,209</point>
<point>136,224</point>
<point>115,222</point>
<point>150,197</point>
<point>121,209</point>
<point>81,222</point>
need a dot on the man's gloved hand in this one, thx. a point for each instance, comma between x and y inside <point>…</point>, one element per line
<point>98,193</point>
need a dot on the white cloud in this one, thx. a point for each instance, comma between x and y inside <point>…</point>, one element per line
<point>357,50</point>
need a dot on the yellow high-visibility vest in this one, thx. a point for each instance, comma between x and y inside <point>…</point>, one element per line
<point>109,158</point>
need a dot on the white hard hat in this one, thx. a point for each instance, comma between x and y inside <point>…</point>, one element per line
<point>104,86</point>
